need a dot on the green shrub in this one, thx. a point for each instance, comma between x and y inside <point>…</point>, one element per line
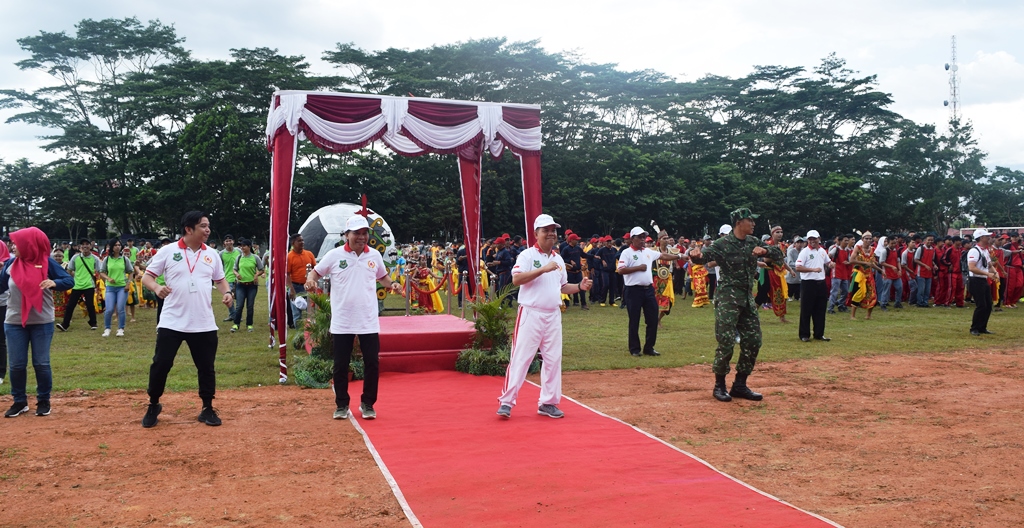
<point>484,362</point>
<point>312,371</point>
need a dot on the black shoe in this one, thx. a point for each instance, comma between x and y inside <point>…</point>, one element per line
<point>975,333</point>
<point>805,339</point>
<point>742,391</point>
<point>652,352</point>
<point>721,394</point>
<point>634,354</point>
<point>823,338</point>
<point>209,416</point>
<point>833,312</point>
<point>884,309</point>
<point>987,332</point>
<point>43,408</point>
<point>149,420</point>
<point>61,327</point>
<point>898,306</point>
<point>16,409</point>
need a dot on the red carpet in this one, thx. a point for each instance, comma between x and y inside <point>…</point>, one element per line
<point>457,464</point>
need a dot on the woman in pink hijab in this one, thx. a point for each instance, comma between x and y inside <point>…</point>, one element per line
<point>30,278</point>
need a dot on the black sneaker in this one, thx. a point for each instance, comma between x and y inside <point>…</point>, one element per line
<point>209,416</point>
<point>149,420</point>
<point>61,327</point>
<point>16,409</point>
<point>43,408</point>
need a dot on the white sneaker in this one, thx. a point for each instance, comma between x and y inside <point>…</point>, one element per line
<point>106,332</point>
<point>120,332</point>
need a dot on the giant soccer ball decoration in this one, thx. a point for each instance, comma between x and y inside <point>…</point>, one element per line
<point>322,231</point>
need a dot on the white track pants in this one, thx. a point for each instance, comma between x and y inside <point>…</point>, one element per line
<point>535,330</point>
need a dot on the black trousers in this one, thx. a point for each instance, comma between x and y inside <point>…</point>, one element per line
<point>982,294</point>
<point>202,345</point>
<point>90,306</point>
<point>712,284</point>
<point>369,344</point>
<point>577,298</point>
<point>611,287</point>
<point>3,343</point>
<point>641,299</point>
<point>813,302</point>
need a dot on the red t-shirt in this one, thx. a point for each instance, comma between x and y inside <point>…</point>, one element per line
<point>843,270</point>
<point>928,258</point>
<point>892,257</point>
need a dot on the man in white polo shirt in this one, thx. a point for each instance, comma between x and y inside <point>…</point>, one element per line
<point>191,269</point>
<point>978,261</point>
<point>354,270</point>
<point>636,267</point>
<point>540,274</point>
<point>811,264</point>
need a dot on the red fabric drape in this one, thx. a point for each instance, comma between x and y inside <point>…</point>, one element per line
<point>280,211</point>
<point>469,176</point>
<point>343,109</point>
<point>531,192</point>
<point>443,114</point>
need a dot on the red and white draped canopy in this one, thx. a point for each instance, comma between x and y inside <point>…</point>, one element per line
<point>340,122</point>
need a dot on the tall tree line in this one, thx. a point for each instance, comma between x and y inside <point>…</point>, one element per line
<point>146,131</point>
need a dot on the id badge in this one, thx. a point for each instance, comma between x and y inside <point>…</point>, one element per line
<point>192,286</point>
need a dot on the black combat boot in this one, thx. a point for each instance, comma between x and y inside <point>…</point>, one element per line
<point>740,389</point>
<point>721,394</point>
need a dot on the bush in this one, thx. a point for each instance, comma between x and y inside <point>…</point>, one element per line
<point>483,362</point>
<point>312,371</point>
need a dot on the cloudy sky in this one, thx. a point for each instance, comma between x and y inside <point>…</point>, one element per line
<point>904,42</point>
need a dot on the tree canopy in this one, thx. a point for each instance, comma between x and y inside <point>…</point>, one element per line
<point>146,131</point>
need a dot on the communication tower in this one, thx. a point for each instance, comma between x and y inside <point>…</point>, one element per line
<point>954,85</point>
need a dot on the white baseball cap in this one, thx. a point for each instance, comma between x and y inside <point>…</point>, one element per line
<point>981,231</point>
<point>725,229</point>
<point>813,234</point>
<point>637,231</point>
<point>544,220</point>
<point>356,223</point>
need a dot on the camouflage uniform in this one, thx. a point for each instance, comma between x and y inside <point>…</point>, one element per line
<point>735,308</point>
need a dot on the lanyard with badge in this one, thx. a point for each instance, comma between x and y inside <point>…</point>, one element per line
<point>192,288</point>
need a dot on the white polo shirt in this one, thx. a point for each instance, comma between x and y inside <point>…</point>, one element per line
<point>981,258</point>
<point>190,275</point>
<point>632,258</point>
<point>813,258</point>
<point>545,291</point>
<point>353,288</point>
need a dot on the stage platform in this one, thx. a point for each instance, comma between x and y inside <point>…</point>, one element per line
<point>421,343</point>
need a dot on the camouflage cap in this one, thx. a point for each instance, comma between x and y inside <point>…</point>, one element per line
<point>740,214</point>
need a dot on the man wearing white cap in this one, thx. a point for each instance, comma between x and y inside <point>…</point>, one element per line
<point>978,262</point>
<point>811,264</point>
<point>636,265</point>
<point>542,279</point>
<point>354,270</point>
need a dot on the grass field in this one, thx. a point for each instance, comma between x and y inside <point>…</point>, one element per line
<point>593,340</point>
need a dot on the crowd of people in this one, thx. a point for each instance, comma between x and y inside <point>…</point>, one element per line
<point>643,272</point>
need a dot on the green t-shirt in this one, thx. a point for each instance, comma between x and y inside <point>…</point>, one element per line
<point>115,269</point>
<point>84,267</point>
<point>135,253</point>
<point>228,259</point>
<point>248,266</point>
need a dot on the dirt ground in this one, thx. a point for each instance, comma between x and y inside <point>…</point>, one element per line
<point>907,440</point>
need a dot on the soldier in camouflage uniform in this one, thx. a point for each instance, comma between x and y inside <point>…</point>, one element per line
<point>735,308</point>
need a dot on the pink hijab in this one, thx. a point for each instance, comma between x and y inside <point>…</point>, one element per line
<point>30,268</point>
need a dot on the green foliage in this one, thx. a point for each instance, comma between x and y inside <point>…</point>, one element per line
<point>312,371</point>
<point>488,362</point>
<point>141,125</point>
<point>494,320</point>
<point>318,326</point>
